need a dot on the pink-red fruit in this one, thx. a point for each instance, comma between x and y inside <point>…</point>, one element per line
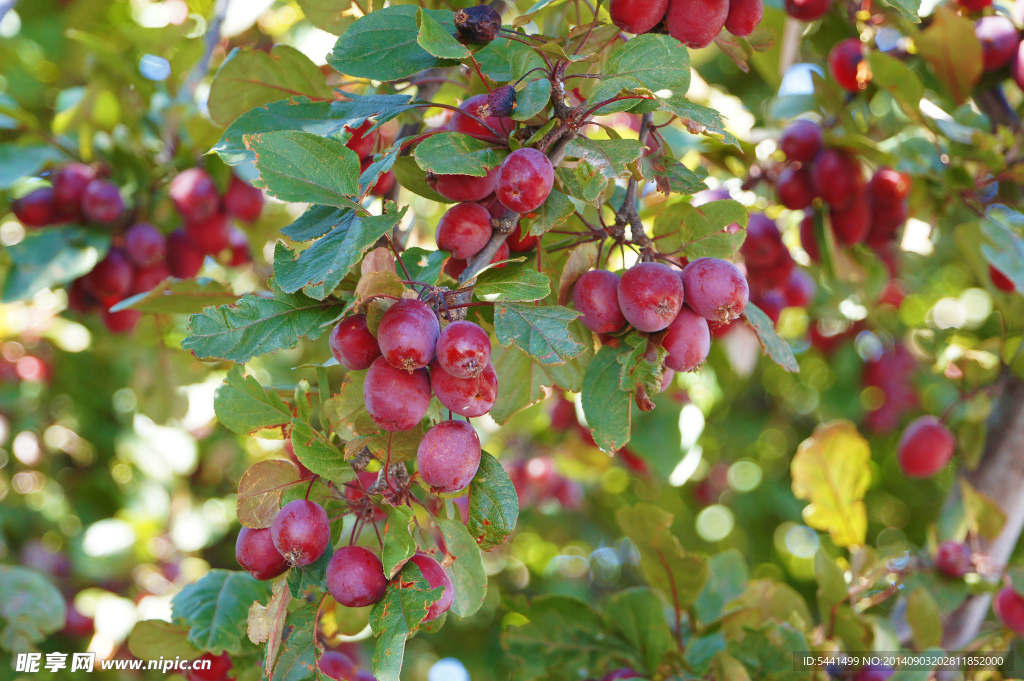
<point>696,23</point>
<point>715,289</point>
<point>355,577</point>
<point>35,209</point>
<point>144,244</point>
<point>396,399</point>
<point>744,16</point>
<point>637,16</point>
<point>436,577</point>
<point>925,447</point>
<point>525,180</point>
<point>688,341</point>
<point>255,551</point>
<point>463,349</point>
<point>953,559</point>
<point>464,187</point>
<point>838,178</point>
<point>301,531</point>
<point>242,201</point>
<point>807,10</point>
<point>101,202</point>
<point>448,456</point>
<point>218,670</point>
<point>844,63</point>
<point>352,344</point>
<point>802,140</point>
<point>469,397</point>
<point>338,666</point>
<point>408,334</point>
<point>463,230</point>
<point>650,295</point>
<point>596,296</point>
<point>194,195</point>
<point>184,257</point>
<point>1009,607</point>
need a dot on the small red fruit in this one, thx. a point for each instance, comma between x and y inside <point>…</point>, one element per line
<point>184,257</point>
<point>596,296</point>
<point>396,399</point>
<point>35,209</point>
<point>715,289</point>
<point>807,10</point>
<point>688,341</point>
<point>844,63</point>
<point>352,344</point>
<point>650,295</point>
<point>463,230</point>
<point>696,23</point>
<point>408,334</point>
<point>194,195</point>
<point>355,577</point>
<point>301,531</point>
<point>436,577</point>
<point>1009,607</point>
<point>101,202</point>
<point>525,180</point>
<point>255,551</point>
<point>464,187</point>
<point>463,349</point>
<point>212,235</point>
<point>795,188</point>
<point>637,16</point>
<point>925,447</point>
<point>953,559</point>
<point>802,140</point>
<point>448,456</point>
<point>242,201</point>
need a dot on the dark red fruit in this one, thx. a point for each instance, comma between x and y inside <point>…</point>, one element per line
<point>744,16</point>
<point>111,279</point>
<point>338,666</point>
<point>144,244</point>
<point>888,186</point>
<point>362,140</point>
<point>408,334</point>
<point>795,188</point>
<point>807,10</point>
<point>469,397</point>
<point>436,577</point>
<point>688,341</point>
<point>477,106</point>
<point>241,252</point>
<point>122,321</point>
<point>851,225</point>
<point>301,531</point>
<point>384,184</point>
<point>352,344</point>
<point>637,16</point>
<point>184,257</point>
<point>220,667</point>
<point>975,5</point>
<point>763,246</point>
<point>35,209</point>
<point>501,102</point>
<point>715,289</point>
<point>808,241</point>
<point>68,184</point>
<point>844,63</point>
<point>696,23</point>
<point>999,40</point>
<point>1009,607</point>
<point>211,236</point>
<point>1000,280</point>
<point>448,456</point>
<point>396,399</point>
<point>355,577</point>
<point>837,178</point>
<point>953,559</point>
<point>255,551</point>
<point>525,180</point>
<point>771,302</point>
<point>650,295</point>
<point>886,221</point>
<point>463,349</point>
<point>517,243</point>
<point>925,447</point>
<point>463,230</point>
<point>195,195</point>
<point>479,24</point>
<point>464,187</point>
<point>802,140</point>
<point>596,296</point>
<point>799,289</point>
<point>101,202</point>
<point>242,201</point>
<point>874,672</point>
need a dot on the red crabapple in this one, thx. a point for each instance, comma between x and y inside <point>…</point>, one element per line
<point>355,577</point>
<point>68,184</point>
<point>974,5</point>
<point>851,225</point>
<point>1009,607</point>
<point>352,344</point>
<point>596,296</point>
<point>520,243</point>
<point>802,140</point>
<point>807,10</point>
<point>255,551</point>
<point>953,559</point>
<point>744,16</point>
<point>35,209</point>
<point>212,235</point>
<point>837,178</point>
<point>336,665</point>
<point>242,201</point>
<point>184,257</point>
<point>925,447</point>
<point>463,230</point>
<point>408,334</point>
<point>463,349</point>
<point>470,397</point>
<point>696,23</point>
<point>219,668</point>
<point>122,321</point>
<point>763,246</point>
<point>795,188</point>
<point>194,195</point>
<point>144,244</point>
<point>525,180</point>
<point>464,187</point>
<point>999,40</point>
<point>460,122</point>
<point>301,531</point>
<point>479,24</point>
<point>362,141</point>
<point>715,289</point>
<point>384,184</point>
<point>436,577</point>
<point>111,279</point>
<point>650,295</point>
<point>76,624</point>
<point>396,399</point>
<point>688,341</point>
<point>637,16</point>
<point>101,202</point>
<point>563,414</point>
<point>888,186</point>
<point>844,63</point>
<point>448,456</point>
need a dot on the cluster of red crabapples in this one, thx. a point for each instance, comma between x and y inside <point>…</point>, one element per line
<point>142,256</point>
<point>652,297</point>
<point>694,23</point>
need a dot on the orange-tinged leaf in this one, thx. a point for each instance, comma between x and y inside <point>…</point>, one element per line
<point>260,489</point>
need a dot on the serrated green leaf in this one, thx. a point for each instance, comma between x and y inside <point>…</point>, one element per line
<point>1005,250</point>
<point>297,660</point>
<point>304,580</point>
<point>399,544</point>
<point>346,411</point>
<point>333,16</point>
<point>303,167</point>
<point>776,348</point>
<point>909,9</point>
<point>249,78</point>
<point>493,504</point>
<point>467,572</point>
<point>453,153</point>
<point>584,182</point>
<point>423,265</point>
<point>700,120</point>
<point>50,257</point>
<point>899,80</point>
<point>436,40</point>
<point>606,405</point>
<point>532,99</point>
<point>650,61</point>
<point>609,156</point>
<point>727,580</point>
<point>397,616</point>
<point>216,609</point>
<point>245,407</point>
<point>318,454</point>
<point>507,60</point>
<point>31,609</point>
<point>672,177</point>
<point>540,331</point>
<point>638,616</point>
<point>179,296</point>
<point>555,210</point>
<point>516,282</point>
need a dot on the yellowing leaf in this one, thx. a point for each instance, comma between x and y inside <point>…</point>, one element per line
<point>831,470</point>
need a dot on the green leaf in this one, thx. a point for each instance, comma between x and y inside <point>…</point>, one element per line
<point>453,153</point>
<point>610,156</point>
<point>652,62</point>
<point>925,619</point>
<point>257,325</point>
<point>727,580</point>
<point>320,268</point>
<point>672,177</point>
<point>638,616</point>
<point>467,572</point>
<point>315,222</point>
<point>832,589</point>
<point>303,167</point>
<point>384,45</point>
<point>436,39</point>
<point>606,405</point>
<point>664,563</point>
<point>516,282</point>
<point>984,516</point>
<point>249,78</point>
<point>245,407</point>
<point>899,80</point>
<point>31,608</point>
<point>493,504</point>
<point>18,161</point>
<point>318,454</point>
<point>540,331</point>
<point>152,638</point>
<point>297,661</point>
<point>584,182</point>
<point>333,16</point>
<point>49,257</point>
<point>556,209</point>
<point>216,609</point>
<point>413,178</point>
<point>399,544</point>
<point>532,99</point>
<point>305,580</point>
<point>346,411</point>
<point>776,348</point>
<point>700,120</point>
<point>582,259</point>
<point>909,9</point>
<point>953,51</point>
<point>179,296</point>
<point>424,265</point>
<point>507,60</point>
<point>397,616</point>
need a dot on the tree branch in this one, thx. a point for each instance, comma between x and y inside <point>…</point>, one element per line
<point>628,214</point>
